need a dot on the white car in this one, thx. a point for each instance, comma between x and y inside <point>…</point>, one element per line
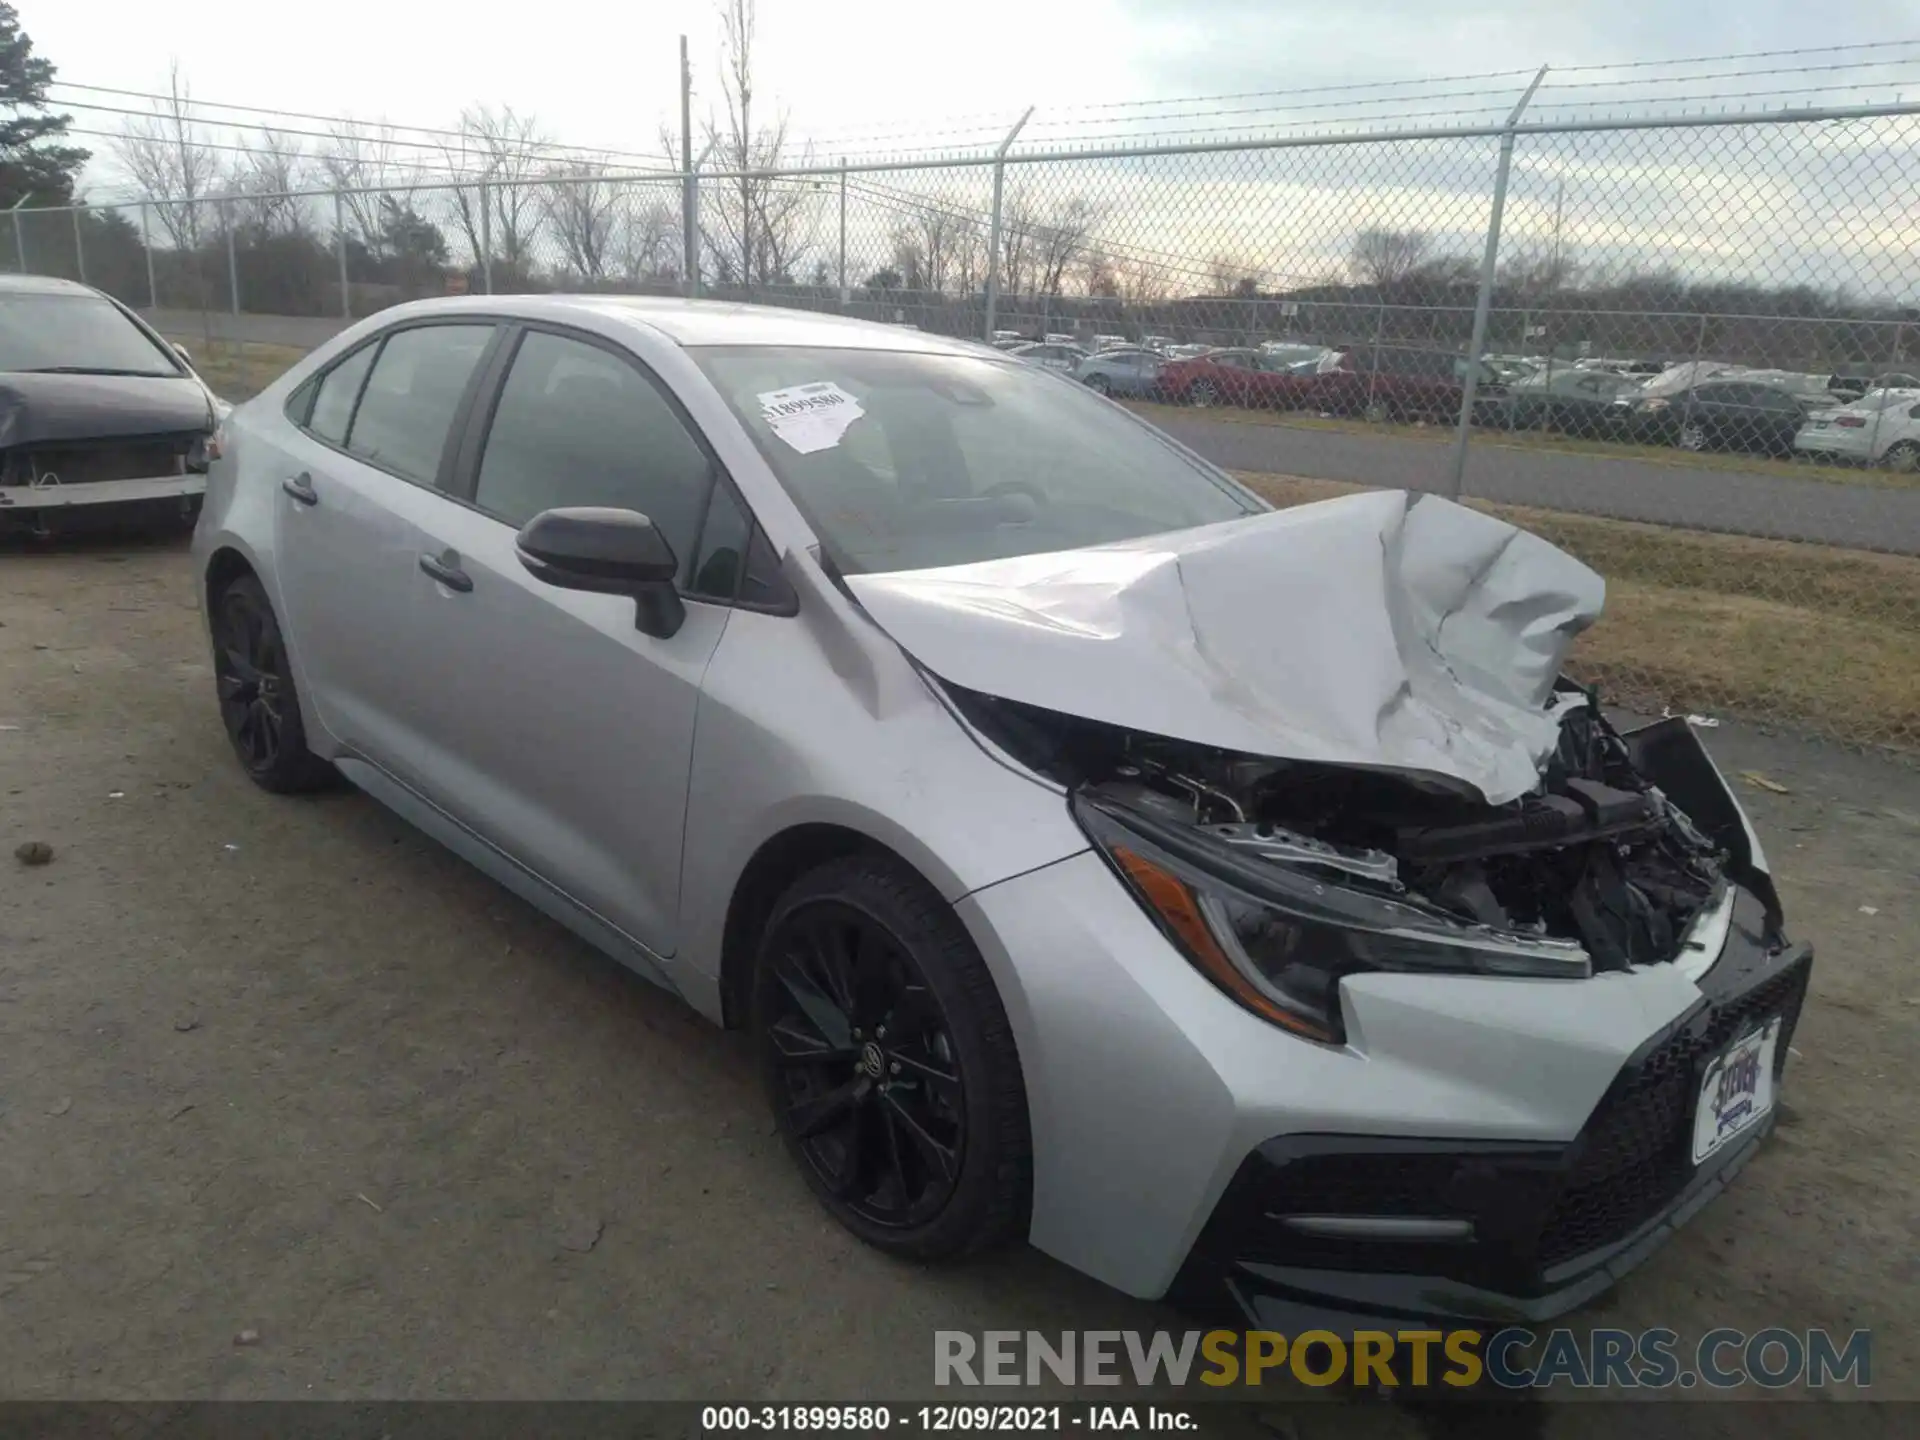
<point>1876,429</point>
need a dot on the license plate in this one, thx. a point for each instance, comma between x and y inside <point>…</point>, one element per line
<point>1737,1092</point>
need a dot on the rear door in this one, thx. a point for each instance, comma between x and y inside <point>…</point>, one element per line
<point>564,733</point>
<point>355,473</point>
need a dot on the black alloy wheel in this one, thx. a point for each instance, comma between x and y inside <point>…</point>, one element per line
<point>889,1062</point>
<point>258,703</point>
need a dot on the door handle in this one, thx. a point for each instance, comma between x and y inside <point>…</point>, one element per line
<point>451,576</point>
<point>300,487</point>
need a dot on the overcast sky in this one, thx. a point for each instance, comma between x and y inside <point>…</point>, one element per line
<point>604,74</point>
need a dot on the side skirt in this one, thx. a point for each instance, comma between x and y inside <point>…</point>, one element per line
<point>502,868</point>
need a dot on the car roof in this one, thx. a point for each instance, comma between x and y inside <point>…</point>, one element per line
<point>710,322</point>
<point>42,285</point>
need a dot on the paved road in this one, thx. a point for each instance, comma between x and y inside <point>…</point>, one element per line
<point>1736,502</point>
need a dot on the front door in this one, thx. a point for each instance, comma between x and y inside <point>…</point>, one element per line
<point>565,734</point>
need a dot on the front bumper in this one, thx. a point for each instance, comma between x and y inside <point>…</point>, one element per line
<point>31,498</point>
<point>1479,1232</point>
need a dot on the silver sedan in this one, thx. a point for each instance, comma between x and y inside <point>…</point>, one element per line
<point>1231,901</point>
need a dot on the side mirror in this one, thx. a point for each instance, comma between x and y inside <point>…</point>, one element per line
<point>181,351</point>
<point>610,552</point>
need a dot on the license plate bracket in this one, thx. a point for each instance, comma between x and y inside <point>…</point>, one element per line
<point>1736,1090</point>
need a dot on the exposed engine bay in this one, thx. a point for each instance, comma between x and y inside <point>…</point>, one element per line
<point>1597,854</point>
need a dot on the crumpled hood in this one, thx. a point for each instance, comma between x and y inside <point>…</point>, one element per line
<point>1377,629</point>
<point>36,409</point>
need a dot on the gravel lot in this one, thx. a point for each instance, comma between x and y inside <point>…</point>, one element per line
<point>287,1067</point>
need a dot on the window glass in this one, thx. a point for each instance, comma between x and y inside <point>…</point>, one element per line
<point>577,425</point>
<point>339,388</point>
<point>416,385</point>
<point>982,459</point>
<point>77,333</point>
<point>723,544</point>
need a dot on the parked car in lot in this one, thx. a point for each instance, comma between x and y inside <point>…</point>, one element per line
<point>1051,354</point>
<point>1401,382</point>
<point>1109,342</point>
<point>825,674</point>
<point>1572,401</point>
<point>1132,371</point>
<point>1881,428</point>
<point>1729,413</point>
<point>99,416</point>
<point>1237,377</point>
<point>1161,343</point>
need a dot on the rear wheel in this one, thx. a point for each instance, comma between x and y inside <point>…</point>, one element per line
<point>889,1062</point>
<point>1904,457</point>
<point>258,702</point>
<point>1375,412</point>
<point>1693,437</point>
<point>1203,393</point>
<point>1099,384</point>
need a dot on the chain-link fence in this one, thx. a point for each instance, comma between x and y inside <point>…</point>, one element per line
<point>1684,350</point>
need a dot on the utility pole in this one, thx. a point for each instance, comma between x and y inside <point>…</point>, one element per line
<point>689,199</point>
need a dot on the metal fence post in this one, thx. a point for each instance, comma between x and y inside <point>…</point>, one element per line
<point>146,244</point>
<point>79,245</point>
<point>843,233</point>
<point>340,246</point>
<point>1483,302</point>
<point>233,272</point>
<point>19,236</point>
<point>993,225</point>
<point>486,240</point>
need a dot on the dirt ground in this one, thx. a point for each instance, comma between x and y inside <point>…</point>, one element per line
<point>287,1067</point>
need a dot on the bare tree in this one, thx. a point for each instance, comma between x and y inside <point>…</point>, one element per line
<point>581,207</point>
<point>171,162</point>
<point>359,162</point>
<point>646,242</point>
<point>258,188</point>
<point>504,150</point>
<point>909,258</point>
<point>756,227</point>
<point>1143,281</point>
<point>1387,257</point>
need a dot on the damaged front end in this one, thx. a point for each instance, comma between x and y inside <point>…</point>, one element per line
<point>1278,878</point>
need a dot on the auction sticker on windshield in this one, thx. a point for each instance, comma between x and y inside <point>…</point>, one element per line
<point>810,417</point>
<point>1737,1092</point>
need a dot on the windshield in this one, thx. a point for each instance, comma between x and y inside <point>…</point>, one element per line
<point>906,461</point>
<point>77,333</point>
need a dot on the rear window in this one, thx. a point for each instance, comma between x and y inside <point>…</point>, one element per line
<point>76,334</point>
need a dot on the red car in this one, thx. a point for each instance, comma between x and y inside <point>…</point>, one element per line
<point>1239,377</point>
<point>1404,382</point>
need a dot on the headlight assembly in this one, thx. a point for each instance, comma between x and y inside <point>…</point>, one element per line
<point>1279,938</point>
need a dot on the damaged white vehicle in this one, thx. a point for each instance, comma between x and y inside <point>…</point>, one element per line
<point>1236,903</point>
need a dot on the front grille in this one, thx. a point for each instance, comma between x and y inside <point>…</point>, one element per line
<point>1636,1154</point>
<point>89,464</point>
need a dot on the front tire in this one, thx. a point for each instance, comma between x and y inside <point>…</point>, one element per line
<point>1100,385</point>
<point>1203,394</point>
<point>889,1062</point>
<point>259,704</point>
